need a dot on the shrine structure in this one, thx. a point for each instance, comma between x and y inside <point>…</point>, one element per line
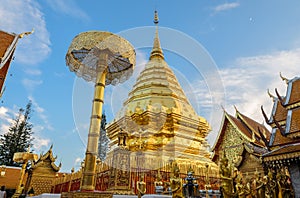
<point>284,143</point>
<point>156,126</point>
<point>42,173</point>
<point>240,141</point>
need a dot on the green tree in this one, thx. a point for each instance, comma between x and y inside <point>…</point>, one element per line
<point>18,138</point>
<point>103,140</point>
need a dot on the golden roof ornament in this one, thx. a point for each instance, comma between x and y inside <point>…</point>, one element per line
<point>283,78</point>
<point>26,33</point>
<point>271,96</point>
<point>156,20</point>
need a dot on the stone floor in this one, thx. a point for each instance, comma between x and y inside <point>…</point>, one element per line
<point>145,196</point>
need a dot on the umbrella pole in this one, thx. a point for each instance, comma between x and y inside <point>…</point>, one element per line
<point>88,180</point>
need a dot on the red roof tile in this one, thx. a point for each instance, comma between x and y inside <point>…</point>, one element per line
<point>254,127</point>
<point>6,40</point>
<point>241,126</point>
<point>280,113</point>
<point>284,152</point>
<point>295,121</point>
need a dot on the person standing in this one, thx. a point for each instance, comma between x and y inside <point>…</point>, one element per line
<point>2,192</point>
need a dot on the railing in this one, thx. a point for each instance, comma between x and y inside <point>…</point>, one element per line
<point>71,181</point>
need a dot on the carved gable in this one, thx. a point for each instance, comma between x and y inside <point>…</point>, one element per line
<point>232,143</point>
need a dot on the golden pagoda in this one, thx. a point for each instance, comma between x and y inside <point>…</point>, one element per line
<point>156,126</point>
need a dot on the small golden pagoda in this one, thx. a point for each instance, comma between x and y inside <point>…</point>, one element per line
<point>42,174</point>
<point>156,126</point>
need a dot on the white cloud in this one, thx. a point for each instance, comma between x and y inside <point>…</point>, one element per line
<point>40,125</point>
<point>41,114</point>
<point>33,72</point>
<point>30,84</point>
<point>246,83</point>
<point>22,16</point>
<point>77,162</point>
<point>68,7</point>
<point>40,143</point>
<point>226,6</point>
<point>5,119</point>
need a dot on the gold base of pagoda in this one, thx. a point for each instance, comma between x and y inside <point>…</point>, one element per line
<point>118,190</point>
<point>94,194</point>
<point>16,195</point>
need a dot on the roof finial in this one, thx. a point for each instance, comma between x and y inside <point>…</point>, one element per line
<point>283,78</point>
<point>26,33</point>
<point>156,20</point>
<point>156,50</point>
<point>271,96</point>
<point>235,108</point>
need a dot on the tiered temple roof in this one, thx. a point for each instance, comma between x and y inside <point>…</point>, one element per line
<point>284,143</point>
<point>42,173</point>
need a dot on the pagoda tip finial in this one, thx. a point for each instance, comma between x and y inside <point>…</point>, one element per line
<point>156,50</point>
<point>156,20</point>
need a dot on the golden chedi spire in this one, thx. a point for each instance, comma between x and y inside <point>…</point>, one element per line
<point>159,119</point>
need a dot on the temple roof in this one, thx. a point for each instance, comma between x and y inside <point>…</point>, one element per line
<point>277,139</point>
<point>278,112</point>
<point>7,47</point>
<point>8,43</point>
<point>284,152</point>
<point>293,92</point>
<point>254,126</point>
<point>285,122</point>
<point>47,157</point>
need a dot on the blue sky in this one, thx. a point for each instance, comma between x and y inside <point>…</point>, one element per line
<point>249,43</point>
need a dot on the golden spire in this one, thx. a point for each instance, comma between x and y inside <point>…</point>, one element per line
<point>156,50</point>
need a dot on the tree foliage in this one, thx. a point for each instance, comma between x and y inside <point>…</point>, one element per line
<point>103,140</point>
<point>18,138</point>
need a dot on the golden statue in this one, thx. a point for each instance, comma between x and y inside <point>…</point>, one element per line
<point>283,185</point>
<point>272,184</point>
<point>141,186</point>
<point>226,178</point>
<point>158,184</point>
<point>242,192</point>
<point>176,183</point>
<point>259,185</point>
<point>266,187</point>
